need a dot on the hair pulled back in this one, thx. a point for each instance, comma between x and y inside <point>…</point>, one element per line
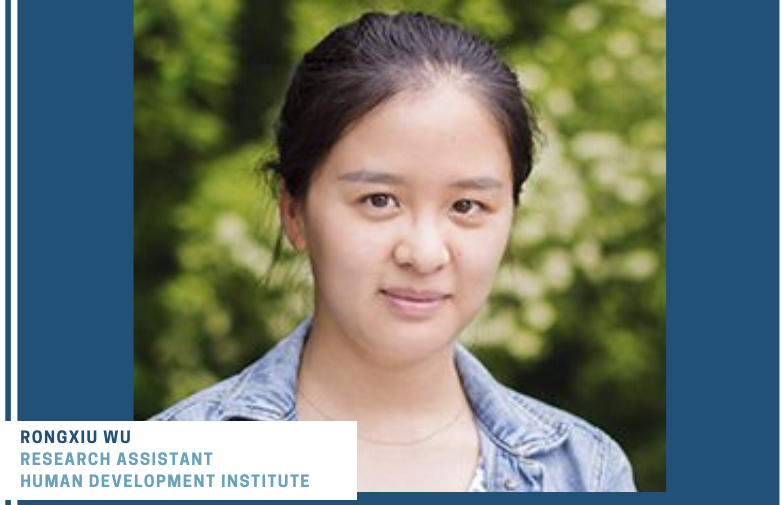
<point>360,65</point>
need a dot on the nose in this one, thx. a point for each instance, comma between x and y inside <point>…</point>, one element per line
<point>422,248</point>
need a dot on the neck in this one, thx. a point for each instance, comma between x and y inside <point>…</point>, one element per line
<point>388,398</point>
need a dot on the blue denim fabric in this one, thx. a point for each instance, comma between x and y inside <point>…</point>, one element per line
<point>525,444</point>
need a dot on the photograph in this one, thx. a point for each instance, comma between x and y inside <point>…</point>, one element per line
<point>443,220</point>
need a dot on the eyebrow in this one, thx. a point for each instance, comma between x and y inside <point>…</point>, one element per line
<point>373,177</point>
<point>370,176</point>
<point>477,183</point>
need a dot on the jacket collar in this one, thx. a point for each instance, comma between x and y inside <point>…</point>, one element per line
<point>511,419</point>
<point>266,391</point>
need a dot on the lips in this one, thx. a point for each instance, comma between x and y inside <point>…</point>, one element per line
<point>414,296</point>
<point>414,303</point>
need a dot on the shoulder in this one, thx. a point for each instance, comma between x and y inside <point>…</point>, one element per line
<point>585,458</point>
<point>205,405</point>
<point>263,391</point>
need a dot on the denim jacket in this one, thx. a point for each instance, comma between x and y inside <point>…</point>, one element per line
<point>525,444</point>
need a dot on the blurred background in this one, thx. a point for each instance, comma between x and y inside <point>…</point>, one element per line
<point>577,317</point>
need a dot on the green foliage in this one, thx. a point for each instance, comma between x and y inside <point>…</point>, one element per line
<point>577,317</point>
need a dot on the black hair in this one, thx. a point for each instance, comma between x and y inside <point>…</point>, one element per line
<point>362,64</point>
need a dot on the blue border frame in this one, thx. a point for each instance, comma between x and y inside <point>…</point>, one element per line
<point>8,210</point>
<point>725,176</point>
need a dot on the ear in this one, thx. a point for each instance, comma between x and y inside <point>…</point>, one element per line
<point>292,219</point>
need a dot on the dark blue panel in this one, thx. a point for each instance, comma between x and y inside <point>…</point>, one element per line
<point>75,210</point>
<point>723,267</point>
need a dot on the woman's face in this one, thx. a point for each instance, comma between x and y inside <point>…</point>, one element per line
<point>405,223</point>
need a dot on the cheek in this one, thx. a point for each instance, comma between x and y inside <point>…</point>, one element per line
<point>345,251</point>
<point>479,259</point>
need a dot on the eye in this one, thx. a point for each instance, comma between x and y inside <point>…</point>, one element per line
<point>467,207</point>
<point>380,201</point>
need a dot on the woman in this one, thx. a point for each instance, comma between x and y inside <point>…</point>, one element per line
<point>403,146</point>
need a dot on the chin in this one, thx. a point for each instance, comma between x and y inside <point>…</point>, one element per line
<point>408,343</point>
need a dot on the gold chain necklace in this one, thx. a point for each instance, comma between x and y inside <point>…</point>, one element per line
<point>376,441</point>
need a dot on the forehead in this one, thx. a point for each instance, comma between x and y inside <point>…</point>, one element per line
<point>438,134</point>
